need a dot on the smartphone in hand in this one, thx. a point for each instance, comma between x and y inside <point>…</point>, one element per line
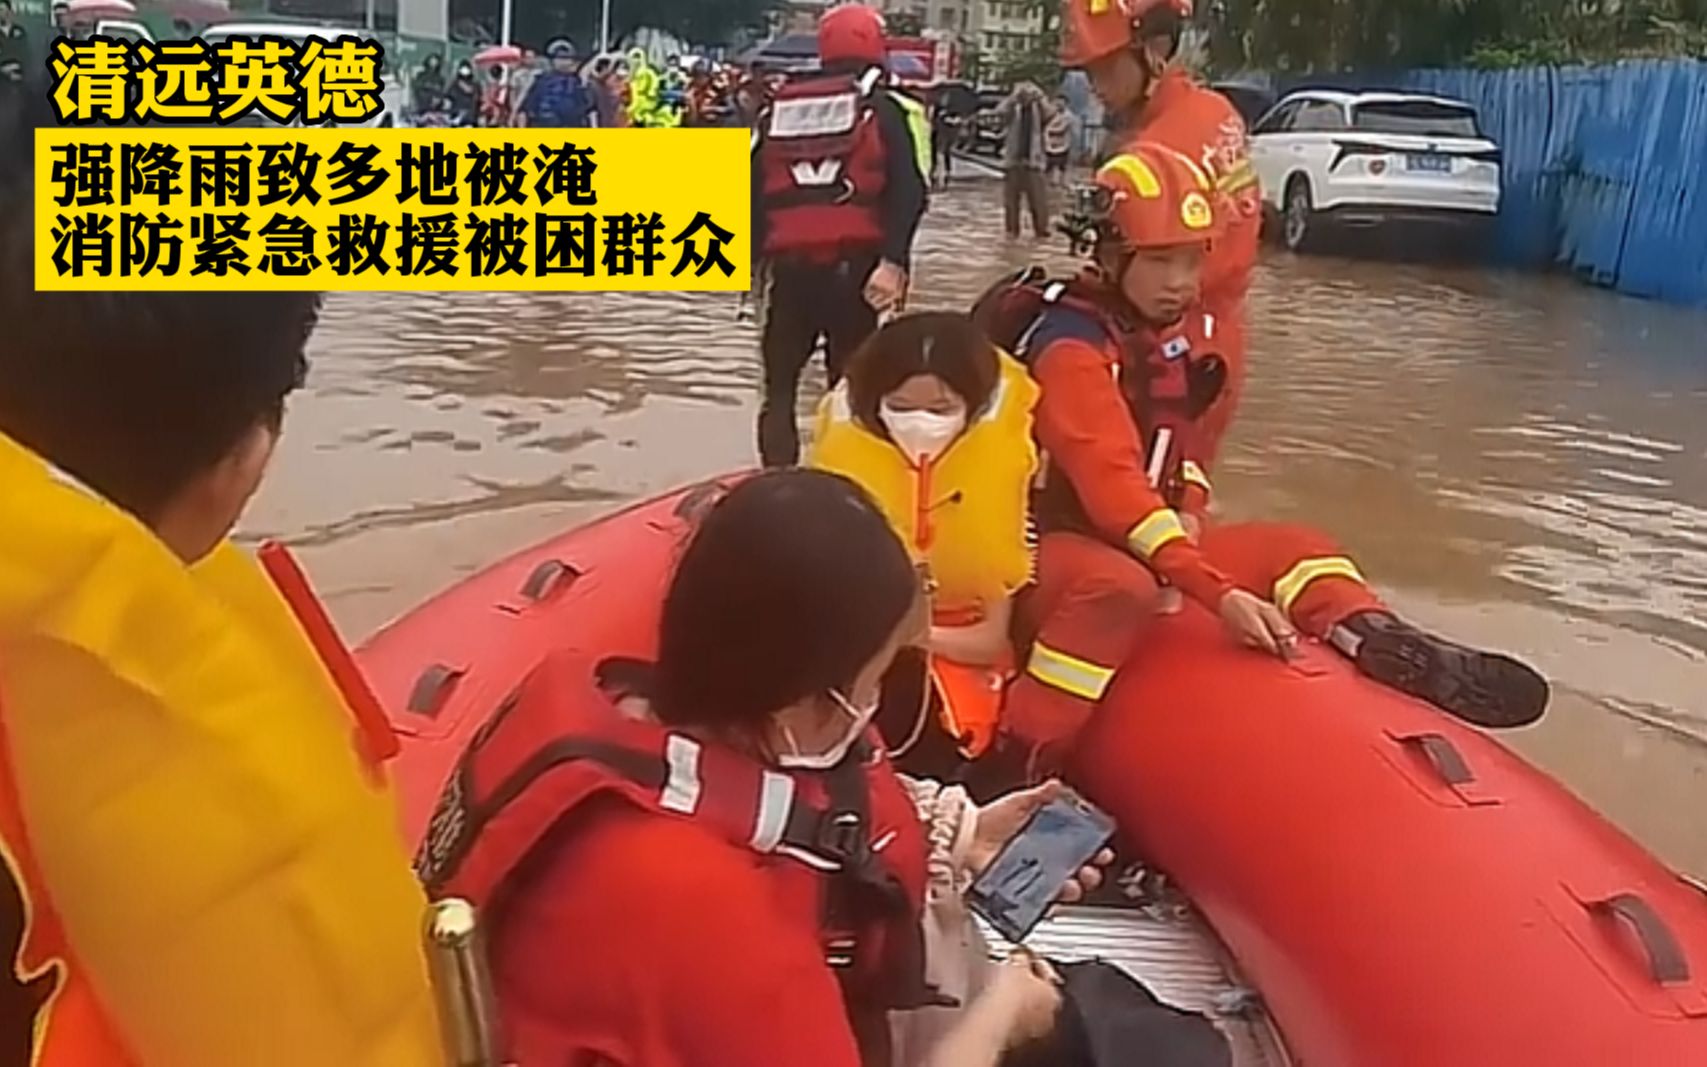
<point>1016,889</point>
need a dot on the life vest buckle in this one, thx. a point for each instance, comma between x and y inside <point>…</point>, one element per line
<point>841,837</point>
<point>841,950</point>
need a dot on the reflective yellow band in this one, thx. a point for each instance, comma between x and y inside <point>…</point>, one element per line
<point>1068,673</point>
<point>1159,528</point>
<point>1293,583</point>
<point>1192,474</point>
<point>1137,172</point>
<point>1238,179</point>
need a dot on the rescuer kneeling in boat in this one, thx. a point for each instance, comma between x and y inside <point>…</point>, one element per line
<point>1129,49</point>
<point>737,876</point>
<point>1128,362</point>
<point>935,423</point>
<point>840,174</point>
<point>195,871</point>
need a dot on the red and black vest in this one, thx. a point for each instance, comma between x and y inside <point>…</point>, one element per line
<point>823,168</point>
<point>846,842</point>
<point>1168,377</point>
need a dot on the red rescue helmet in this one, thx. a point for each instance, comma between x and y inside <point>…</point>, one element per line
<point>852,32</point>
<point>1154,197</point>
<point>1091,29</point>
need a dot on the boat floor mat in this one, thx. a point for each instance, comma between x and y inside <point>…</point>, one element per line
<point>1166,948</point>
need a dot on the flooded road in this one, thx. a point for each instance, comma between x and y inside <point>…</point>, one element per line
<point>1519,461</point>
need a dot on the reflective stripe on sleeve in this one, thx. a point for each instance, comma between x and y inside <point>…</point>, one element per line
<point>1157,529</point>
<point>1237,180</point>
<point>1292,584</point>
<point>682,787</point>
<point>1192,474</point>
<point>1068,673</point>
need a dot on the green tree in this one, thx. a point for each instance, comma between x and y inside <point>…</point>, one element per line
<point>1040,60</point>
<point>904,24</point>
<point>1296,35</point>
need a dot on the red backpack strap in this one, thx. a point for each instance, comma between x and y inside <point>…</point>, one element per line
<point>557,742</point>
<point>1026,312</point>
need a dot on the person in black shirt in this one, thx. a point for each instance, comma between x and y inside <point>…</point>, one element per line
<point>14,45</point>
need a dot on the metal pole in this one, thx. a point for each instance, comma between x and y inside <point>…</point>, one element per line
<point>456,961</point>
<point>368,15</point>
<point>504,26</point>
<point>604,27</point>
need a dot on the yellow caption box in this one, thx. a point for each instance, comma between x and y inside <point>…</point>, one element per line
<point>159,208</point>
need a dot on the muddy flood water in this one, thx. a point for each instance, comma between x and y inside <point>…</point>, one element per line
<point>1517,460</point>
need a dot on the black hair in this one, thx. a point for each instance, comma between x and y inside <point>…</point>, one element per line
<point>132,393</point>
<point>944,343</point>
<point>1162,24</point>
<point>792,584</point>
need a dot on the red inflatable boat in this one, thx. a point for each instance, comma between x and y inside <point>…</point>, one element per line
<point>1396,889</point>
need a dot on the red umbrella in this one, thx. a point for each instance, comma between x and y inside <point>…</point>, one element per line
<point>499,54</point>
<point>95,9</point>
<point>197,10</point>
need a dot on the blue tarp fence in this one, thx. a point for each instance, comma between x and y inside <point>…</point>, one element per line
<point>1605,167</point>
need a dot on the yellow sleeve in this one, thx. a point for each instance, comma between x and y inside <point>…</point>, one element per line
<point>1022,561</point>
<point>820,430</point>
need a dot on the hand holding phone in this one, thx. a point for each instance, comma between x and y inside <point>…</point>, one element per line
<point>1015,890</point>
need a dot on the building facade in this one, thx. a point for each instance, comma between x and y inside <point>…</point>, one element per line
<point>1006,26</point>
<point>992,28</point>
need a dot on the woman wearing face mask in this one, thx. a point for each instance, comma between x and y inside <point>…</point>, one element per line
<point>935,423</point>
<point>463,96</point>
<point>736,876</point>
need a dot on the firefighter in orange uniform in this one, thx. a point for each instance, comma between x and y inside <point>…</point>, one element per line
<point>1128,361</point>
<point>1127,49</point>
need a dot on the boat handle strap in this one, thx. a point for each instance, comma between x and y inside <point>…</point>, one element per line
<point>1444,756</point>
<point>431,688</point>
<point>545,579</point>
<point>1667,964</point>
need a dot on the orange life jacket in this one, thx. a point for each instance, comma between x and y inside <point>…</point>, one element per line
<point>558,744</point>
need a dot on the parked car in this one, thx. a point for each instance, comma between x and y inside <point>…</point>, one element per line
<point>1373,159</point>
<point>989,130</point>
<point>392,96</point>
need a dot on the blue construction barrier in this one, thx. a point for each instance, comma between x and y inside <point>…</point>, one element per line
<point>1605,167</point>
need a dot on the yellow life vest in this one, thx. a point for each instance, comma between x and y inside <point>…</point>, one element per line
<point>974,529</point>
<point>231,880</point>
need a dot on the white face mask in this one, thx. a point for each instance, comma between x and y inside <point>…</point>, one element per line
<point>922,435</point>
<point>830,757</point>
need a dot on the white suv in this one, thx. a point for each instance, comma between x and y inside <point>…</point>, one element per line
<point>1366,159</point>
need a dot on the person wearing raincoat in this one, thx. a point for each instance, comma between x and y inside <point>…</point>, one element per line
<point>645,94</point>
<point>197,866</point>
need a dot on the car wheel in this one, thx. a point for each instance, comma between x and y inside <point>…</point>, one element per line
<point>1298,221</point>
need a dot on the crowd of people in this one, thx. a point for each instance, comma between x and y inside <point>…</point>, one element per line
<point>168,729</point>
<point>513,88</point>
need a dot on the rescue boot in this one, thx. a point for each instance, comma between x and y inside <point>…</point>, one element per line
<point>1484,688</point>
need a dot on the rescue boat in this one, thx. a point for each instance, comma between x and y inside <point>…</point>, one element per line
<point>1340,876</point>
